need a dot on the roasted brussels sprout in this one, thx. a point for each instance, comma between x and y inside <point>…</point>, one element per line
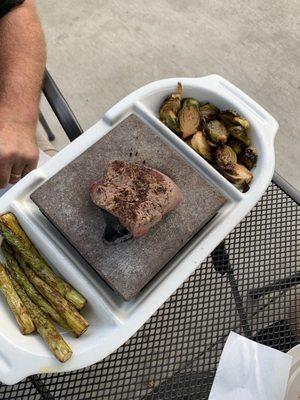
<point>224,155</point>
<point>208,112</point>
<point>216,131</point>
<point>171,104</point>
<point>228,116</point>
<point>189,117</point>
<point>231,117</point>
<point>242,122</point>
<point>238,175</point>
<point>249,157</point>
<point>172,122</point>
<point>236,145</point>
<point>191,101</point>
<point>200,144</point>
<point>239,133</point>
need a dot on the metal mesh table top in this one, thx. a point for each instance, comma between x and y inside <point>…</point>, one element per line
<point>248,284</point>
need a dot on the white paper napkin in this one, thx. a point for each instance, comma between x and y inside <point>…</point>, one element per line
<point>250,371</point>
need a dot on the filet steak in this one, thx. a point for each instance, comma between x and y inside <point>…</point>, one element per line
<point>137,195</point>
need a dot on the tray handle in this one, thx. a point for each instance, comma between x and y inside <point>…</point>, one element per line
<point>15,363</point>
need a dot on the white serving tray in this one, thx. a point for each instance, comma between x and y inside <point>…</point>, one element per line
<point>112,320</point>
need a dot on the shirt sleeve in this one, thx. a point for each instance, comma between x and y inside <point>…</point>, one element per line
<point>7,5</point>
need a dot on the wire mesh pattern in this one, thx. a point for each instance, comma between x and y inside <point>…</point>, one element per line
<point>248,284</point>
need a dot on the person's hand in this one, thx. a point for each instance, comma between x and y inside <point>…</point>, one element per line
<point>18,151</point>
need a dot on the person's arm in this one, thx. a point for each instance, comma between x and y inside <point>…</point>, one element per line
<point>22,66</point>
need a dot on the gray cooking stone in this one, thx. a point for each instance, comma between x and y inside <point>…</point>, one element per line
<point>128,266</point>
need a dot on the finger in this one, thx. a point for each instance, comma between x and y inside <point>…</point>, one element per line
<point>5,171</point>
<point>16,172</point>
<point>29,167</point>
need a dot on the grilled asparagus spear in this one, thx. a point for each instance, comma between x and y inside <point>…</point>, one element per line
<point>12,223</point>
<point>44,326</point>
<point>72,317</point>
<point>18,274</point>
<point>17,307</point>
<point>14,234</point>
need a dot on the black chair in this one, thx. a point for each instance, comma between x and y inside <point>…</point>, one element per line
<point>61,109</point>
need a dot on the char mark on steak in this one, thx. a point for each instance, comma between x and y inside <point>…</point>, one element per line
<point>138,196</point>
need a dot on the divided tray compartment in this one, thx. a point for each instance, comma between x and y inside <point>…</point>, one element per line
<point>113,320</point>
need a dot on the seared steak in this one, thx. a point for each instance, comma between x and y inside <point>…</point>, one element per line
<point>137,195</point>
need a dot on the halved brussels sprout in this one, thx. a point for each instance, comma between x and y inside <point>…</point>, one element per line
<point>172,122</point>
<point>208,112</point>
<point>224,155</point>
<point>189,117</point>
<point>216,131</point>
<point>230,117</point>
<point>227,116</point>
<point>171,104</point>
<point>242,122</point>
<point>238,175</point>
<point>249,157</point>
<point>236,145</point>
<point>200,144</point>
<point>239,133</point>
<point>191,101</point>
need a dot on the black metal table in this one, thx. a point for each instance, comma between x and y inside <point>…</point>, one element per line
<point>248,284</point>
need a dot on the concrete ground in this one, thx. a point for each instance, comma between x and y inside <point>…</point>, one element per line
<point>99,51</point>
